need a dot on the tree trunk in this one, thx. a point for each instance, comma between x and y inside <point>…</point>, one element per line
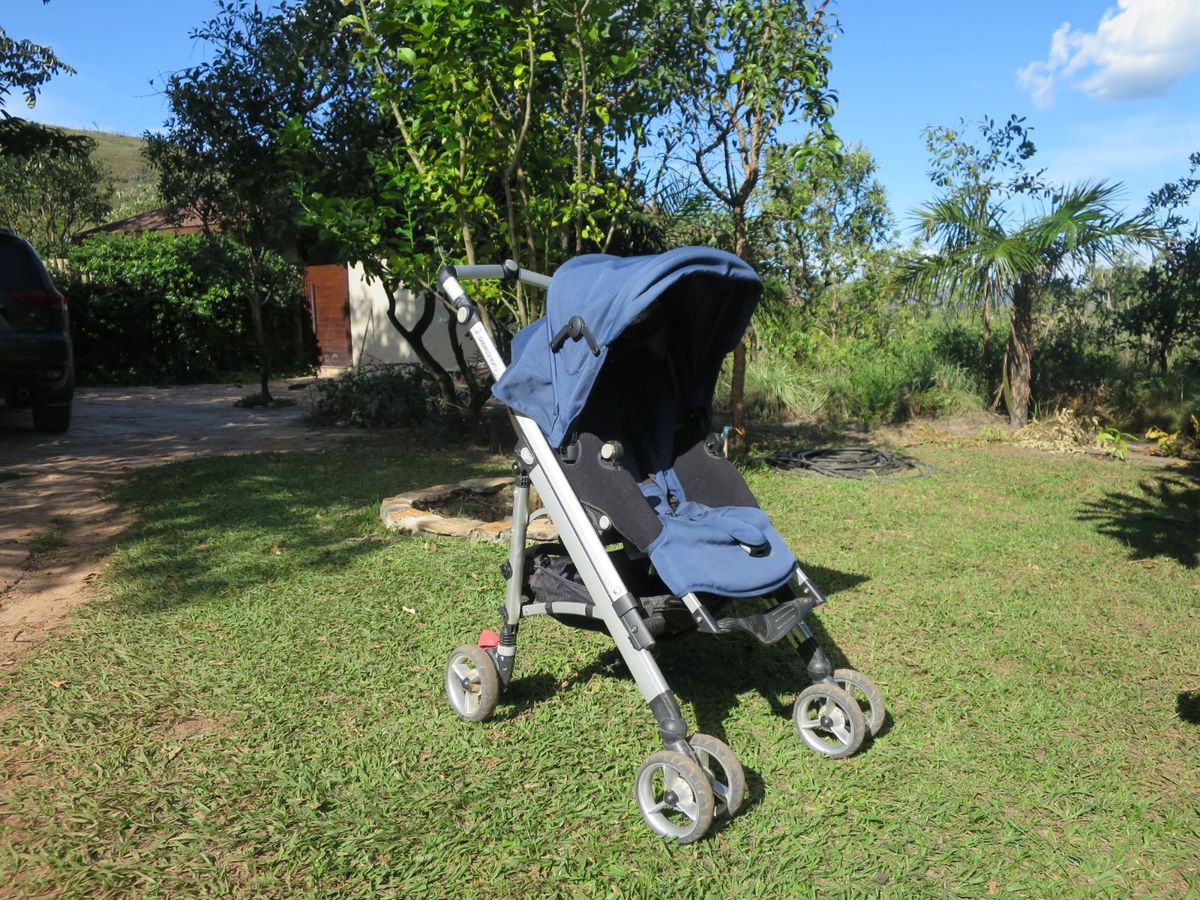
<point>739,438</point>
<point>264,355</point>
<point>984,374</point>
<point>1163,354</point>
<point>415,337</point>
<point>260,332</point>
<point>1020,353</point>
<point>477,394</point>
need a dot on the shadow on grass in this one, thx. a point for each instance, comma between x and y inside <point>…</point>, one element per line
<point>1187,705</point>
<point>208,527</point>
<point>1162,519</point>
<point>709,673</point>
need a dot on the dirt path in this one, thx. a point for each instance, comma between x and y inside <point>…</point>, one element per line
<point>55,523</point>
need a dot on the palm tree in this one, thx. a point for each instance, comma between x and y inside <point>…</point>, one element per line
<point>980,257</point>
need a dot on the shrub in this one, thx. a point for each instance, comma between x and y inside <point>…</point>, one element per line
<point>950,390</point>
<point>164,308</point>
<point>380,397</point>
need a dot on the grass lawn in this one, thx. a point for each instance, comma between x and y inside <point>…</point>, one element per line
<point>258,708</point>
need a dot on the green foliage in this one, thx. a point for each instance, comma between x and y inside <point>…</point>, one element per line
<point>1114,441</point>
<point>1167,311</point>
<point>160,308</point>
<point>912,373</point>
<point>27,66</point>
<point>509,129</point>
<point>777,390</point>
<point>50,194</point>
<point>820,222</point>
<point>399,396</point>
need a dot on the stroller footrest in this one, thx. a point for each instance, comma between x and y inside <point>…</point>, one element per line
<point>771,626</point>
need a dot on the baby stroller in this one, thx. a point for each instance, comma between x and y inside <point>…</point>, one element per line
<point>610,395</point>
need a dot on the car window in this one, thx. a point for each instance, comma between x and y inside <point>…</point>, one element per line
<point>18,270</point>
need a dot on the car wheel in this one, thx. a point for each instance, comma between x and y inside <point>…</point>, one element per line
<point>51,419</point>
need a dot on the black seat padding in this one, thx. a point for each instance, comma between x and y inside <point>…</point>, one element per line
<point>709,478</point>
<point>608,488</point>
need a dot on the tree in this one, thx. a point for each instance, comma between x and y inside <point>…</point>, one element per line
<point>493,131</point>
<point>749,68</point>
<point>50,194</point>
<point>820,222</point>
<point>516,128</point>
<point>1168,309</point>
<point>983,253</point>
<point>27,66</point>
<point>222,152</point>
<point>982,176</point>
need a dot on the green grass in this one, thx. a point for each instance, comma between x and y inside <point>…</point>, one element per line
<point>49,540</point>
<point>118,155</point>
<point>258,709</point>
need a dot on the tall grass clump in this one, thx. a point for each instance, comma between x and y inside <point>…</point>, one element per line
<point>777,389</point>
<point>924,368</point>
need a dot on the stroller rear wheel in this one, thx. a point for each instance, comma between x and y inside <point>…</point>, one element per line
<point>724,772</point>
<point>674,796</point>
<point>829,720</point>
<point>863,690</point>
<point>472,683</point>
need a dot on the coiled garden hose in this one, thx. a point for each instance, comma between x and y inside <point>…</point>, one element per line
<point>851,462</point>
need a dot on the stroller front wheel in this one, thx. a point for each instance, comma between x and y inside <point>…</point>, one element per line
<point>869,698</point>
<point>472,683</point>
<point>829,720</point>
<point>674,796</point>
<point>724,772</point>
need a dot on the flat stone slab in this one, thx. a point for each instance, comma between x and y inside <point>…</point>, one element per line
<point>410,513</point>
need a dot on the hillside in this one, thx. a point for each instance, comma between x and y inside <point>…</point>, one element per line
<point>119,156</point>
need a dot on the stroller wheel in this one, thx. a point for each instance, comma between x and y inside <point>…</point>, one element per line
<point>674,796</point>
<point>863,689</point>
<point>472,683</point>
<point>829,720</point>
<point>724,773</point>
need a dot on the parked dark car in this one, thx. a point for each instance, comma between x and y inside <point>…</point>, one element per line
<point>37,366</point>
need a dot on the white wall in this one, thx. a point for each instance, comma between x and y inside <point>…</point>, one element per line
<point>374,338</point>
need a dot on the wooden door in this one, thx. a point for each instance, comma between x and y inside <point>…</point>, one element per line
<point>327,290</point>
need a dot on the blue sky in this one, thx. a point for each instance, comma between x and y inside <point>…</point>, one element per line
<point>1110,87</point>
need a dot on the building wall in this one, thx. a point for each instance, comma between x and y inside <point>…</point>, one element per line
<point>375,340</point>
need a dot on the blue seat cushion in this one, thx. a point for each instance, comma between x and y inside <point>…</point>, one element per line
<point>730,551</point>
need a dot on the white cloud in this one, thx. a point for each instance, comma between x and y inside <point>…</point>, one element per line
<point>1138,50</point>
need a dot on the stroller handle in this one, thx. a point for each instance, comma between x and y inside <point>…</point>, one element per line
<point>510,271</point>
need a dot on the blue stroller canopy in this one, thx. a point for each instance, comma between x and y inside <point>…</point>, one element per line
<point>594,299</point>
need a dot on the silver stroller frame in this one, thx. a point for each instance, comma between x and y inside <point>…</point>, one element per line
<point>682,787</point>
